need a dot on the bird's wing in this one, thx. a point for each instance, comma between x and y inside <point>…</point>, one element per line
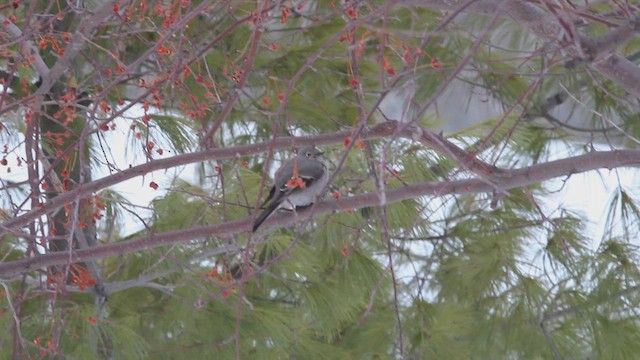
<point>272,192</point>
<point>264,215</point>
<point>283,174</point>
<point>311,169</point>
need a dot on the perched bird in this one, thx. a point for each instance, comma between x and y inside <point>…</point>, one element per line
<point>297,183</point>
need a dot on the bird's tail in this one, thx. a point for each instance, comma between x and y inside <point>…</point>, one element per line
<point>264,215</point>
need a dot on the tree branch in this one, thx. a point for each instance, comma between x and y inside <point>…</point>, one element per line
<point>80,38</point>
<point>505,179</point>
<point>546,26</point>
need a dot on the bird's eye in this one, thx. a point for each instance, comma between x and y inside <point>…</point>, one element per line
<point>308,154</point>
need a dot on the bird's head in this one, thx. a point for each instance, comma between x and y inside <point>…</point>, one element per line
<point>311,152</point>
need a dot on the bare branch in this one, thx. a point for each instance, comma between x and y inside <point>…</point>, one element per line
<point>507,179</point>
<point>546,26</point>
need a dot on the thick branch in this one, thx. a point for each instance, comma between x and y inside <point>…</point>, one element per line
<point>546,26</point>
<point>609,42</point>
<point>32,50</point>
<point>506,179</point>
<point>79,40</point>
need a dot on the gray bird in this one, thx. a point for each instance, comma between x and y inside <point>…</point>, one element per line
<point>297,183</point>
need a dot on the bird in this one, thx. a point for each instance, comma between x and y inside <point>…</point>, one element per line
<point>296,183</point>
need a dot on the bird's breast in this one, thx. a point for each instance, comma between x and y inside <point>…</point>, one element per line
<point>308,195</point>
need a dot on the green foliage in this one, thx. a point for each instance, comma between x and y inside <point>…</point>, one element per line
<point>176,130</point>
<point>167,218</point>
<point>469,276</point>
